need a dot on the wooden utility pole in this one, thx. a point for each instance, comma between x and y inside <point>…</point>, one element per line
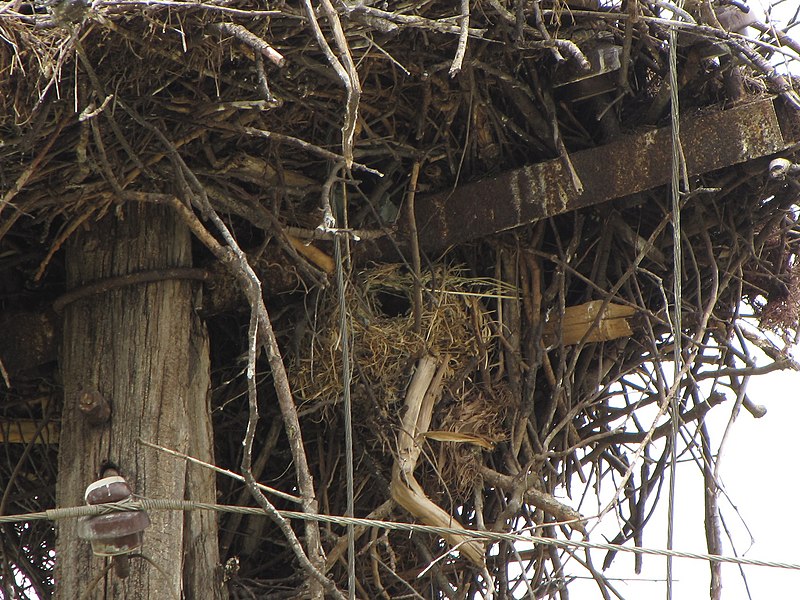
<point>143,348</point>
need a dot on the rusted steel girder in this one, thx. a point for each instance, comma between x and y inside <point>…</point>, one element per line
<point>629,165</point>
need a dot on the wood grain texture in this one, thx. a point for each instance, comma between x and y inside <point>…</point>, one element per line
<point>139,346</point>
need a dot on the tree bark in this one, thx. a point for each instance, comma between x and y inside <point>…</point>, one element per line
<point>143,348</point>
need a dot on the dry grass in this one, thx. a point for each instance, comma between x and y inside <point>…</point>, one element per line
<point>84,97</point>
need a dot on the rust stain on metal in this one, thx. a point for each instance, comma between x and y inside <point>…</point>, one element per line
<point>632,164</point>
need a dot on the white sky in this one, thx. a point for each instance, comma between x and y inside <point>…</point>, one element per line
<point>760,477</point>
<point>759,474</point>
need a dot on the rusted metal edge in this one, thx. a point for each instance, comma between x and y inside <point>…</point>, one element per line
<point>629,165</point>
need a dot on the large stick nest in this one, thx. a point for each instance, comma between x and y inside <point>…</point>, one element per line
<point>113,103</point>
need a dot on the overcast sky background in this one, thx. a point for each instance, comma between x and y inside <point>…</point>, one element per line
<point>759,474</point>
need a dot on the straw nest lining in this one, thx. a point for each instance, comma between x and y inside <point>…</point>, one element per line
<point>386,346</point>
<point>83,100</point>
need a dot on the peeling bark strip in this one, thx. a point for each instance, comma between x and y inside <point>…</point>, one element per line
<point>143,349</point>
<point>423,392</point>
<point>632,164</point>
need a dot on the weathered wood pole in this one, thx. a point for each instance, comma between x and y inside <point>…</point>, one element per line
<point>144,349</point>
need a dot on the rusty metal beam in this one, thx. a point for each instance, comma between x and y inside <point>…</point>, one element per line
<point>632,164</point>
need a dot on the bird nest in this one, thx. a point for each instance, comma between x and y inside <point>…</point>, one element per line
<point>385,341</point>
<point>386,344</point>
<point>303,128</point>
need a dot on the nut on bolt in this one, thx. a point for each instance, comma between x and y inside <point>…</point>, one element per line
<point>94,406</point>
<point>779,168</point>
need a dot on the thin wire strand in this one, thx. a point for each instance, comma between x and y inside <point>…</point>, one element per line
<point>168,504</point>
<point>344,329</point>
<point>677,274</point>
